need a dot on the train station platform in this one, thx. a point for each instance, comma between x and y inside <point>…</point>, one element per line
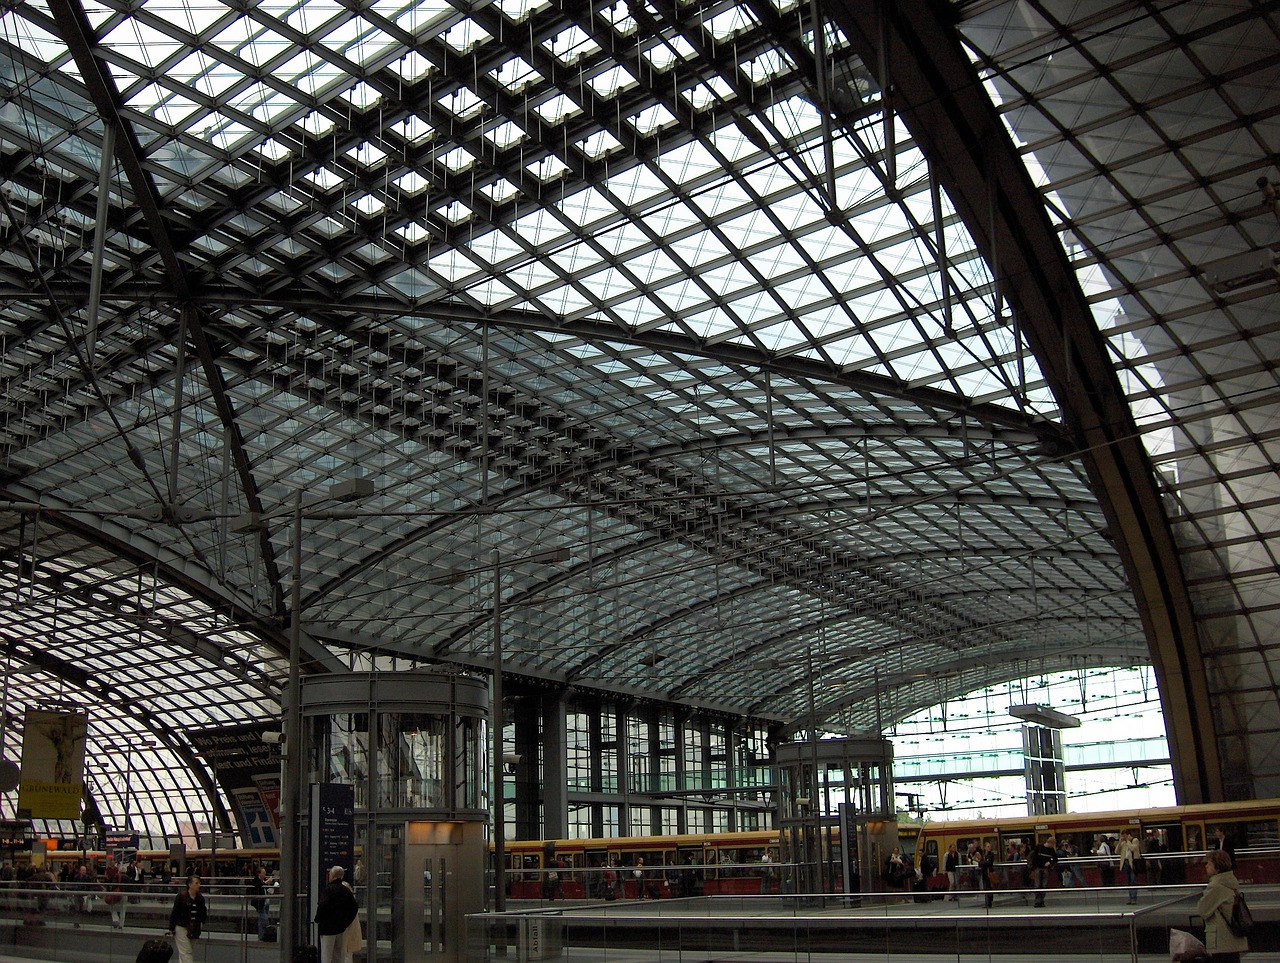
<point>1074,926</point>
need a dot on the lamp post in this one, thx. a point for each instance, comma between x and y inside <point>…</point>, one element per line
<point>348,490</point>
<point>291,791</point>
<point>496,723</point>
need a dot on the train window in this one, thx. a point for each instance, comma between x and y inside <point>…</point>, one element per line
<point>1195,837</point>
<point>1243,835</point>
<point>1166,838</point>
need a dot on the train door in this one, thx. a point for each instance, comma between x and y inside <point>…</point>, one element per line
<point>689,871</point>
<point>1161,842</point>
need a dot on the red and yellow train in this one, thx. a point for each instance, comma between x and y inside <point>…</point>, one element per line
<point>760,861</point>
<point>1168,839</point>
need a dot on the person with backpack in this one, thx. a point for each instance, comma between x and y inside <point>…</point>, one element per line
<point>1215,907</point>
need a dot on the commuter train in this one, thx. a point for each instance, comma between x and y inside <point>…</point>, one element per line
<point>731,863</point>
<point>230,863</point>
<point>1168,839</point>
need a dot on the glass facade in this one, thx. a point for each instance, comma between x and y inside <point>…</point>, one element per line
<point>748,400</point>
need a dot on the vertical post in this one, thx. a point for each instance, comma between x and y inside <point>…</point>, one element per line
<point>99,241</point>
<point>499,793</point>
<point>815,788</point>
<point>291,797</point>
<point>128,780</point>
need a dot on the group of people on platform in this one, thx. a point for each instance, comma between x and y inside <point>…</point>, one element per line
<point>1118,860</point>
<point>638,881</point>
<point>117,886</point>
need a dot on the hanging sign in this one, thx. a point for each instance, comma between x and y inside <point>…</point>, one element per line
<point>52,781</point>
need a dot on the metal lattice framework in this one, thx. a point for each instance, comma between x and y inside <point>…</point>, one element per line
<point>931,349</point>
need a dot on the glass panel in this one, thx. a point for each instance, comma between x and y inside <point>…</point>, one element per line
<point>387,874</point>
<point>470,774</point>
<point>413,771</point>
<point>338,751</point>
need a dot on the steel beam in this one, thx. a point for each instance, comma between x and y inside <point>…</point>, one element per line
<point>939,96</point>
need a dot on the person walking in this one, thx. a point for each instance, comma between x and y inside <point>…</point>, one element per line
<point>187,918</point>
<point>334,913</point>
<point>1043,858</point>
<point>1214,908</point>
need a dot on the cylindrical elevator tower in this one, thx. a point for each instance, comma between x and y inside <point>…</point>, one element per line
<point>402,760</point>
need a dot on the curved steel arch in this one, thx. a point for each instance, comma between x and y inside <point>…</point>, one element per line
<point>720,443</point>
<point>940,98</point>
<point>84,681</point>
<point>964,677</point>
<point>127,544</point>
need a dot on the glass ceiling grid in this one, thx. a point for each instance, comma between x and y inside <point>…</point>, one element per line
<point>1160,206</point>
<point>360,191</point>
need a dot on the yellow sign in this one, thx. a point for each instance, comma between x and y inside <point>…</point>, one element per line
<point>52,782</point>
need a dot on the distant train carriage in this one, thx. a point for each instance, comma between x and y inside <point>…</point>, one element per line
<point>1169,839</point>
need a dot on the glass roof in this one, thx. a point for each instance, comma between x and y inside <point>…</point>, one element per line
<point>661,287</point>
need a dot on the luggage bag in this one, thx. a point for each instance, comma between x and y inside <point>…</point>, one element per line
<point>155,951</point>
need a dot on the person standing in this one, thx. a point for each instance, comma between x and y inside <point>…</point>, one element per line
<point>895,872</point>
<point>186,919</point>
<point>766,874</point>
<point>114,898</point>
<point>1214,908</point>
<point>1106,869</point>
<point>1151,858</point>
<point>132,882</point>
<point>334,913</point>
<point>84,884</point>
<point>1043,858</point>
<point>986,870</point>
<point>951,866</point>
<point>637,873</point>
<point>1128,853</point>
<point>258,900</point>
<point>1227,845</point>
<point>610,877</point>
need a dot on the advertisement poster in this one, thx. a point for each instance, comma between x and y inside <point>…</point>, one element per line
<point>52,781</point>
<point>248,770</point>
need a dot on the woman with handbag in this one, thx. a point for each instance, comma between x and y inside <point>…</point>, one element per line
<point>1214,908</point>
<point>186,919</point>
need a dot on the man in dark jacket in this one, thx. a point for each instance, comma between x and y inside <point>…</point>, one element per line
<point>1043,857</point>
<point>334,913</point>
<point>258,900</point>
